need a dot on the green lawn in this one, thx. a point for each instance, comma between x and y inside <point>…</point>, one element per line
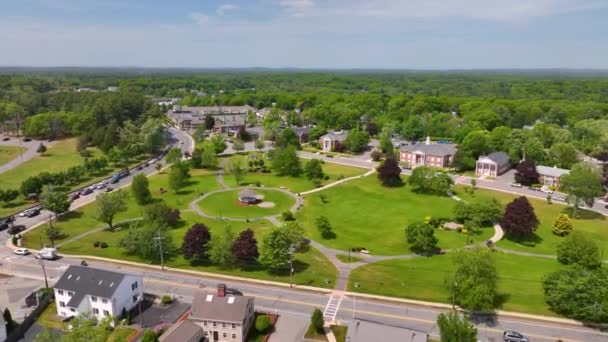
<point>340,332</point>
<point>544,241</point>
<point>83,219</point>
<point>226,204</point>
<point>121,334</point>
<point>365,214</point>
<point>424,278</point>
<point>312,334</point>
<point>8,153</point>
<point>296,184</point>
<point>311,267</point>
<point>48,318</point>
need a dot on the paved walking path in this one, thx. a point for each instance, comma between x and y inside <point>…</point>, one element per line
<point>31,148</point>
<point>93,231</point>
<point>338,182</point>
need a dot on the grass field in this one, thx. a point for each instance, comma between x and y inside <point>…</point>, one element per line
<point>8,153</point>
<point>544,241</point>
<point>296,184</point>
<point>226,204</point>
<point>83,219</point>
<point>311,267</point>
<point>424,278</point>
<point>365,214</point>
<point>121,334</point>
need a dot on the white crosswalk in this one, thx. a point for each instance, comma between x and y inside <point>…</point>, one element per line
<point>332,307</point>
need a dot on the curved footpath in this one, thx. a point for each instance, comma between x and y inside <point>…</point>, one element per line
<point>31,148</point>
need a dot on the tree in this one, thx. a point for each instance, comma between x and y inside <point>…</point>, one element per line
<point>519,219</point>
<point>578,293</point>
<point>174,155</point>
<point>474,281</point>
<point>316,320</point>
<point>7,196</point>
<point>238,145</point>
<point>427,179</point>
<point>219,145</point>
<point>41,148</point>
<point>209,122</point>
<point>288,137</point>
<point>582,184</point>
<point>53,233</point>
<point>262,323</point>
<point>579,249</point>
<point>161,213</point>
<point>386,145</point>
<point>563,155</point>
<point>8,320</point>
<point>143,239</point>
<point>480,212</point>
<point>109,205</point>
<point>196,160</point>
<point>324,227</point>
<point>389,173</point>
<point>259,144</point>
<point>456,328</point>
<point>526,173</point>
<point>220,248</point>
<point>208,157</point>
<point>195,242</point>
<point>295,232</point>
<point>421,238</point>
<point>47,335</point>
<point>285,162</point>
<point>245,247</point>
<point>275,250</point>
<point>140,187</point>
<point>56,202</point>
<point>32,185</point>
<point>236,167</point>
<point>562,225</point>
<point>178,175</point>
<point>356,141</point>
<point>314,170</point>
<point>87,328</point>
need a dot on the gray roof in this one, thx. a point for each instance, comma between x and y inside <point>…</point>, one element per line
<point>247,192</point>
<point>84,280</point>
<point>500,158</point>
<point>207,305</point>
<point>181,331</point>
<point>335,136</point>
<point>434,149</point>
<point>551,171</point>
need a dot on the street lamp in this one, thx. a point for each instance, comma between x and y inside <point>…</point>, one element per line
<point>291,251</point>
<point>41,262</point>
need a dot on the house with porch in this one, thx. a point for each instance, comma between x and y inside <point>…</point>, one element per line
<point>427,154</point>
<point>333,141</point>
<point>492,165</point>
<point>550,176</point>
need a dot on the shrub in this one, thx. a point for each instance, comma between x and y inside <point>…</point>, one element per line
<point>103,245</point>
<point>562,225</point>
<point>376,155</point>
<point>96,244</point>
<point>288,216</point>
<point>316,320</point>
<point>149,336</point>
<point>258,183</point>
<point>262,323</point>
<point>166,299</point>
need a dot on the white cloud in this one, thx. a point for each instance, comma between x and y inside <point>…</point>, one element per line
<point>226,8</point>
<point>199,18</point>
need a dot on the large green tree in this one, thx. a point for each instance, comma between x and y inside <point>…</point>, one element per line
<point>428,179</point>
<point>140,188</point>
<point>285,162</point>
<point>421,237</point>
<point>109,205</point>
<point>356,141</point>
<point>579,249</point>
<point>275,250</point>
<point>583,184</point>
<point>474,282</point>
<point>220,248</point>
<point>456,328</point>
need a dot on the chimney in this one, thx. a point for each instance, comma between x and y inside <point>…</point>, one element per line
<point>428,140</point>
<point>221,290</point>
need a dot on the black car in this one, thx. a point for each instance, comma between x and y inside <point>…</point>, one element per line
<point>86,191</point>
<point>138,168</point>
<point>32,212</point>
<point>3,225</point>
<point>6,139</point>
<point>74,197</point>
<point>16,229</point>
<point>27,139</point>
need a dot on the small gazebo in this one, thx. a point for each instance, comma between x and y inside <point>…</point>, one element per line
<point>248,196</point>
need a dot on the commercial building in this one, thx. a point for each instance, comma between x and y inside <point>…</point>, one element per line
<point>550,176</point>
<point>100,293</point>
<point>227,119</point>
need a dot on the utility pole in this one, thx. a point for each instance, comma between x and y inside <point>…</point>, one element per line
<point>454,295</point>
<point>291,251</point>
<point>41,261</point>
<point>160,247</point>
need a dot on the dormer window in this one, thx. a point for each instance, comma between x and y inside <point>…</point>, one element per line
<point>60,292</point>
<point>70,293</point>
<point>93,299</point>
<point>104,300</point>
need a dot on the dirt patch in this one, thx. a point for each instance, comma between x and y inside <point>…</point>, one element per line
<point>259,197</point>
<point>266,205</point>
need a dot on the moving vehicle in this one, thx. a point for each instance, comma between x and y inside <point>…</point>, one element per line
<point>74,197</point>
<point>139,168</point>
<point>119,175</point>
<point>102,185</point>
<point>30,212</point>
<point>21,251</point>
<point>16,229</point>
<point>513,336</point>
<point>6,139</point>
<point>4,223</point>
<point>86,191</point>
<point>515,185</point>
<point>108,189</point>
<point>47,253</point>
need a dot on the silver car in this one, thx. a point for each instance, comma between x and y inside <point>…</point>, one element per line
<point>513,336</point>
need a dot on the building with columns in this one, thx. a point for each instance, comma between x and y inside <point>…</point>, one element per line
<point>427,154</point>
<point>492,165</point>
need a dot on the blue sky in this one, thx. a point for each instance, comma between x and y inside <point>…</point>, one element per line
<point>411,34</point>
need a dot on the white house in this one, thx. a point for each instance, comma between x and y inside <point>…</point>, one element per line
<point>101,293</point>
<point>492,165</point>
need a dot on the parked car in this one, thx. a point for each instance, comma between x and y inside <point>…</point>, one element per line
<point>16,229</point>
<point>558,198</point>
<point>108,189</point>
<point>513,336</point>
<point>74,197</point>
<point>32,212</point>
<point>21,251</point>
<point>139,168</point>
<point>546,190</point>
<point>3,225</point>
<point>515,185</point>
<point>27,139</point>
<point>6,139</point>
<point>101,185</point>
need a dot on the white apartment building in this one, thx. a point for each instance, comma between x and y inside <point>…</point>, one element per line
<point>100,293</point>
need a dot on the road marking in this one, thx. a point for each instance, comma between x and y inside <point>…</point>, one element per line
<point>332,307</point>
<point>373,313</point>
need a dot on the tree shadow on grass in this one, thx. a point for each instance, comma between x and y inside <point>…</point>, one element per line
<point>530,240</point>
<point>70,215</point>
<point>13,204</point>
<point>583,214</point>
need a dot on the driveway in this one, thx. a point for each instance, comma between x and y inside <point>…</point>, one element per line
<point>290,327</point>
<point>13,291</point>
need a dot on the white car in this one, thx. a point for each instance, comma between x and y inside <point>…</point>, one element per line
<point>22,251</point>
<point>152,161</point>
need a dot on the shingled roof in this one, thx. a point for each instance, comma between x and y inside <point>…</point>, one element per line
<point>500,158</point>
<point>433,149</point>
<point>207,305</point>
<point>84,280</point>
